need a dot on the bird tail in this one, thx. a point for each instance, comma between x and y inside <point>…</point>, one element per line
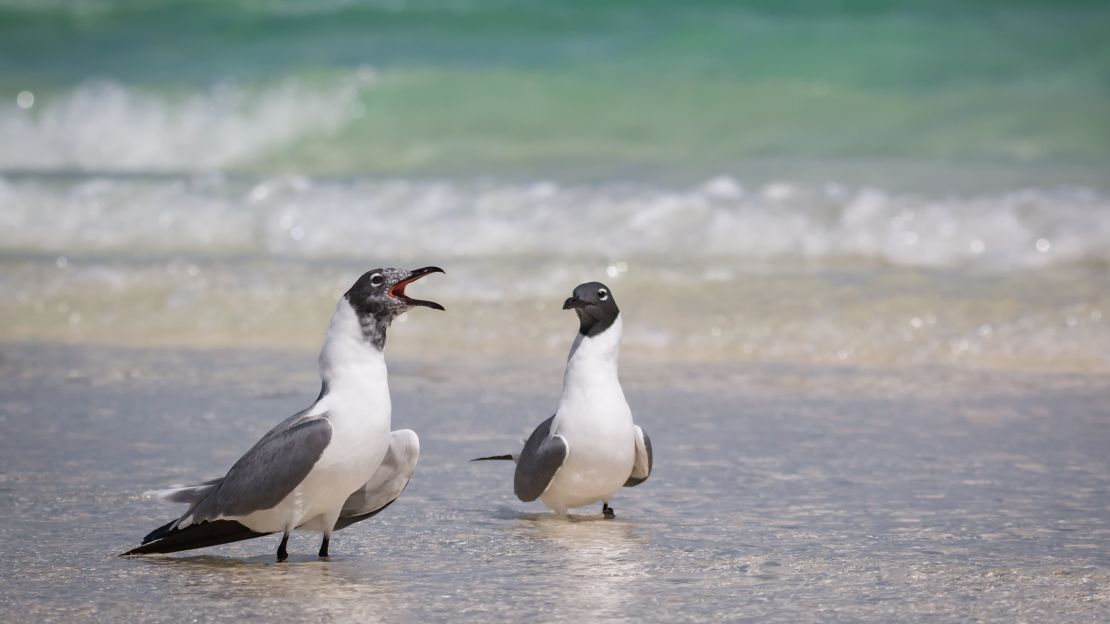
<point>167,538</point>
<point>191,494</point>
<point>495,457</point>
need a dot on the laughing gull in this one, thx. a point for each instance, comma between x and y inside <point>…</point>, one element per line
<point>327,467</point>
<point>590,447</point>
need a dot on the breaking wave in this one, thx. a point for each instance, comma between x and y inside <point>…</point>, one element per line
<point>719,219</point>
<point>108,126</point>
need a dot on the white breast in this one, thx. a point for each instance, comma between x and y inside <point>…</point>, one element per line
<point>358,406</point>
<point>594,418</point>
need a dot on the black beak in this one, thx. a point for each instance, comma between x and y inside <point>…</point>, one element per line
<point>398,289</point>
<point>573,302</point>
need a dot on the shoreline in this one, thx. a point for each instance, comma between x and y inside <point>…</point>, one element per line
<point>296,370</point>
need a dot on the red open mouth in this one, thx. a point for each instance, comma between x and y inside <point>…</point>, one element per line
<point>398,289</point>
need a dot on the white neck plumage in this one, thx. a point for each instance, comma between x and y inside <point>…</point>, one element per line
<point>347,355</point>
<point>595,356</point>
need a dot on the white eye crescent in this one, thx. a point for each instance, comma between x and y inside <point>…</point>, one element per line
<point>376,279</point>
<point>602,294</point>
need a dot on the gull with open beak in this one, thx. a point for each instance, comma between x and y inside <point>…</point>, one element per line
<point>324,468</point>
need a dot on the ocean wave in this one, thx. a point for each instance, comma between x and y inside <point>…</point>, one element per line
<point>108,126</point>
<point>549,89</point>
<point>720,219</point>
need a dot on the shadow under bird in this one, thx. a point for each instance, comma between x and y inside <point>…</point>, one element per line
<point>590,448</point>
<point>327,467</point>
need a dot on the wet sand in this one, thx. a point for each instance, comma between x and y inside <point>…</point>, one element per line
<point>781,493</point>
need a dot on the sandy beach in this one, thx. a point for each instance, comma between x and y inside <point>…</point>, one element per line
<point>781,493</point>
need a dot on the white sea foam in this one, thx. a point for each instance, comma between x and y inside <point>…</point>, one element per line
<point>301,217</point>
<point>764,272</point>
<point>107,126</point>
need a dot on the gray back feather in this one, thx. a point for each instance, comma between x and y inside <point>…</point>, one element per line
<point>541,458</point>
<point>268,472</point>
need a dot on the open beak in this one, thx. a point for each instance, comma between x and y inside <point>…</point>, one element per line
<point>398,289</point>
<point>573,302</point>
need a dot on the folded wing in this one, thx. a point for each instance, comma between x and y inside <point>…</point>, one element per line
<point>268,472</point>
<point>641,469</point>
<point>261,479</point>
<point>387,483</point>
<point>542,457</point>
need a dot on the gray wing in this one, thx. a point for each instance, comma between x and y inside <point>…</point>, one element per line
<point>196,492</point>
<point>641,469</point>
<point>541,458</point>
<point>270,470</point>
<point>388,481</point>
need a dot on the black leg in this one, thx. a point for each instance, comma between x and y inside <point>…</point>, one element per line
<point>282,553</point>
<point>324,546</point>
<point>607,511</point>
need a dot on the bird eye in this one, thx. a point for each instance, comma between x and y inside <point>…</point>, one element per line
<point>376,279</point>
<point>602,294</point>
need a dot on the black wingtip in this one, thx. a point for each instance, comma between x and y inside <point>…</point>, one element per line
<point>214,533</point>
<point>153,536</point>
<point>159,533</point>
<point>494,457</point>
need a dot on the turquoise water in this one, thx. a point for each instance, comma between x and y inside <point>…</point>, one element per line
<point>854,182</point>
<point>729,149</point>
<point>608,89</point>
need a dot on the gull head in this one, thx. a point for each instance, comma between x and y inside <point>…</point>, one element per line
<point>379,295</point>
<point>595,306</point>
